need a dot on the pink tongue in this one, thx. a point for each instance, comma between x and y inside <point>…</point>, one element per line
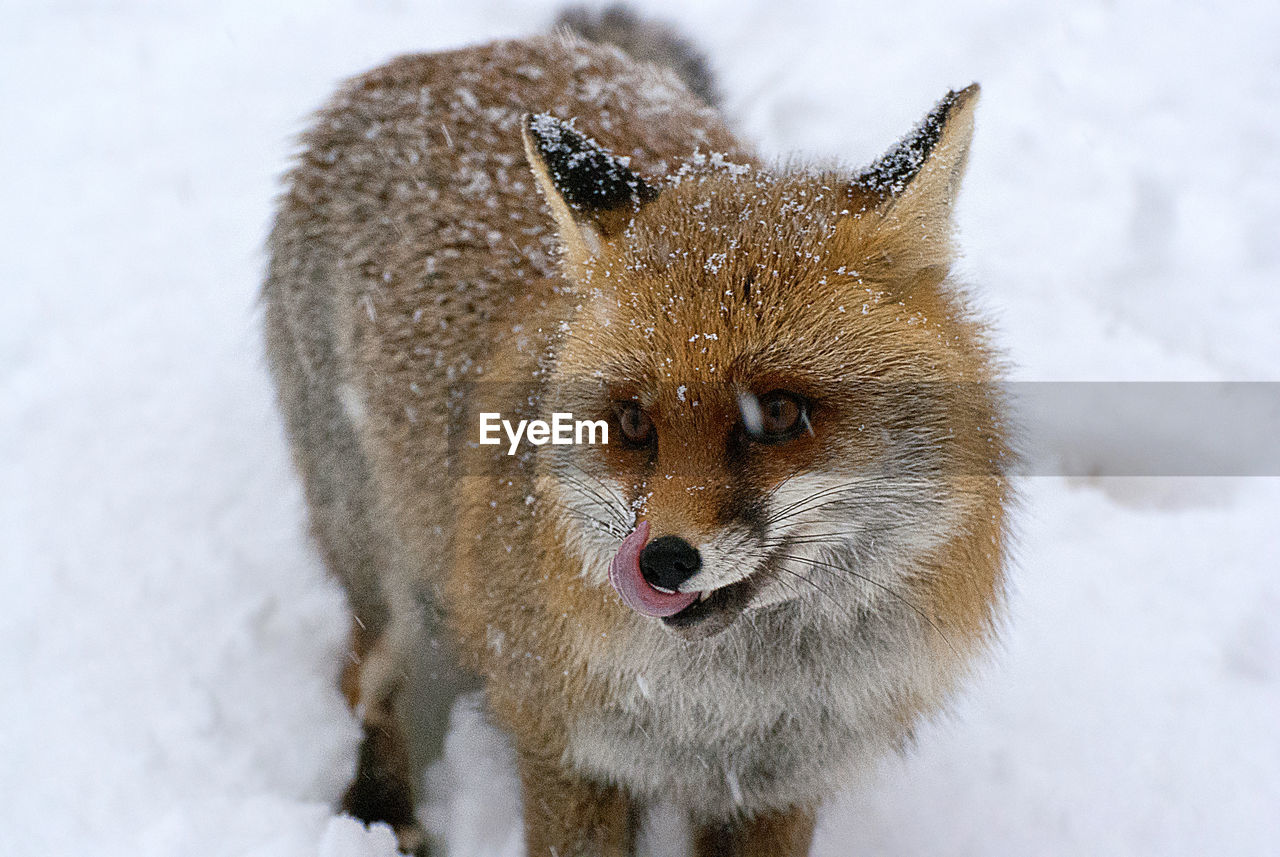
<point>624,574</point>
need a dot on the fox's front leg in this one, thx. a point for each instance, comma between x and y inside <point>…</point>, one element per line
<point>778,834</point>
<point>381,789</point>
<point>567,816</point>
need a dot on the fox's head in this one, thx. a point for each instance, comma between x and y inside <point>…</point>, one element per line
<point>799,408</point>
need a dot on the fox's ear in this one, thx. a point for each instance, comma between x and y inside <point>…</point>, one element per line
<point>915,183</point>
<point>592,193</point>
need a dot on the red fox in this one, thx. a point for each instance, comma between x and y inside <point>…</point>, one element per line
<point>788,543</point>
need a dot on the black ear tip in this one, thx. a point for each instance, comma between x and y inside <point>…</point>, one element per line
<point>899,166</point>
<point>586,175</point>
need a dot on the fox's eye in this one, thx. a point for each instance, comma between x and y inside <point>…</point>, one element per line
<point>637,428</point>
<point>783,415</point>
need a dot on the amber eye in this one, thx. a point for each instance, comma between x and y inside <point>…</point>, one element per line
<point>637,428</point>
<point>783,415</point>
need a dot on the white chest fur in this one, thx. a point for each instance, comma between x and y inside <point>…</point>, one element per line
<point>781,709</point>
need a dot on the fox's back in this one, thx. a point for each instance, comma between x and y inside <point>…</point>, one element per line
<point>413,182</point>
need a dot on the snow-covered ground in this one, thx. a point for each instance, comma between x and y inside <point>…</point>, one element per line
<point>168,639</point>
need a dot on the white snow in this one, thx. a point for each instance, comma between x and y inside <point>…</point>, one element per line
<point>169,641</point>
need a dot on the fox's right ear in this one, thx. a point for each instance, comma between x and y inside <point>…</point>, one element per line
<point>592,193</point>
<point>913,186</point>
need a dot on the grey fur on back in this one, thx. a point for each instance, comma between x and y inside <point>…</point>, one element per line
<point>646,40</point>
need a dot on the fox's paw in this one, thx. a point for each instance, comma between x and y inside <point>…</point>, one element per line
<point>380,791</point>
<point>372,803</point>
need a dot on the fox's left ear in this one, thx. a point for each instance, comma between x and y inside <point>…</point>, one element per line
<point>915,184</point>
<point>592,192</point>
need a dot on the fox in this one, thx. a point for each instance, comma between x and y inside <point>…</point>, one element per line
<point>790,551</point>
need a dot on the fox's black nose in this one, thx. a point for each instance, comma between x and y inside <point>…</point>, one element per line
<point>668,562</point>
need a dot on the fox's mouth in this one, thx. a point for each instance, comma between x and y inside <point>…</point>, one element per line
<point>693,615</point>
<point>713,611</point>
